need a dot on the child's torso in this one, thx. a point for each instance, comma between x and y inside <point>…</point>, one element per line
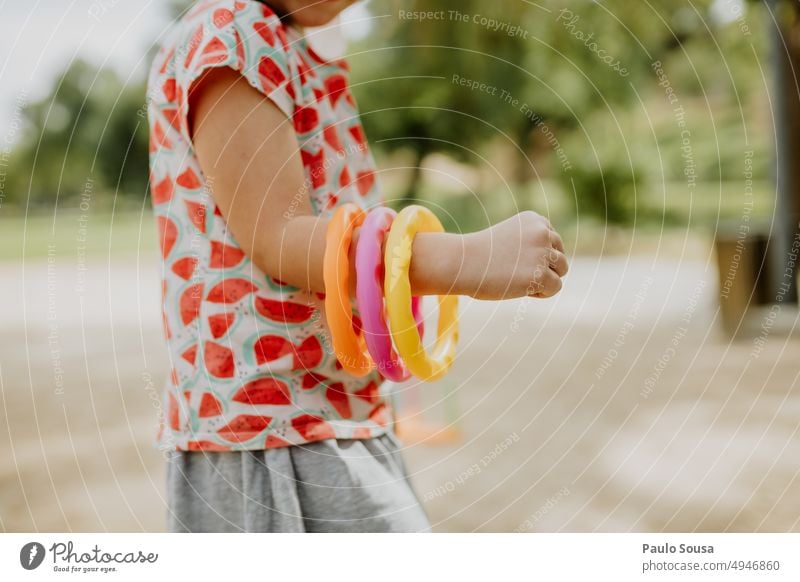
<point>251,360</point>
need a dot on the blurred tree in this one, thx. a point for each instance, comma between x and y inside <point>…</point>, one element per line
<point>176,8</point>
<point>89,129</point>
<point>577,73</point>
<point>410,93</point>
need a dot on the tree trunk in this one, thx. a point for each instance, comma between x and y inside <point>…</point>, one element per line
<point>522,168</point>
<point>784,239</point>
<point>411,195</point>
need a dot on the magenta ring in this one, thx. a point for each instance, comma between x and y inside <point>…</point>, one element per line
<point>369,294</point>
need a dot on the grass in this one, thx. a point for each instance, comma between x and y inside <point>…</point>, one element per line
<point>92,235</point>
<point>666,219</point>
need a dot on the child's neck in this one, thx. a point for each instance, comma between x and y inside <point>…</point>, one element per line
<point>278,10</point>
<point>285,18</point>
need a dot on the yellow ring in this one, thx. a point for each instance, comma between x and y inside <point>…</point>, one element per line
<point>397,289</point>
<point>350,348</point>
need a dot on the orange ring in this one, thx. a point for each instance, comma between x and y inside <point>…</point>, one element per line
<point>350,348</point>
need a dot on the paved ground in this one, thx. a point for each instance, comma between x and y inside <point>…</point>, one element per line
<point>617,406</point>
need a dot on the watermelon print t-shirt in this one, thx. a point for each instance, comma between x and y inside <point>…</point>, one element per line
<point>250,356</point>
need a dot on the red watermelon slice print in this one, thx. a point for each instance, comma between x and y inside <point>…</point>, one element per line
<point>165,323</point>
<point>335,85</point>
<point>184,267</point>
<point>305,119</point>
<point>358,135</point>
<point>316,166</point>
<point>230,291</point>
<point>264,391</point>
<point>312,380</point>
<point>209,406</point>
<point>283,311</point>
<point>219,360</point>
<point>206,446</point>
<point>173,118</point>
<point>191,298</point>
<point>369,393</point>
<point>224,256</point>
<point>240,63</point>
<point>222,17</point>
<point>331,135</point>
<point>194,44</point>
<point>169,90</point>
<point>162,191</point>
<point>265,32</point>
<point>313,427</point>
<point>274,442</point>
<point>167,60</point>
<point>339,399</point>
<point>214,52</point>
<point>308,355</point>
<point>188,179</point>
<point>197,215</point>
<point>302,69</point>
<point>190,355</point>
<point>159,139</point>
<point>280,32</point>
<point>344,178</point>
<point>271,347</point>
<point>219,324</point>
<point>174,413</point>
<point>167,235</point>
<point>244,427</point>
<point>271,74</point>
<point>365,181</point>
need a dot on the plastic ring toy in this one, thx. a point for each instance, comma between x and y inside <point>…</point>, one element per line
<point>350,347</point>
<point>369,293</point>
<point>397,289</point>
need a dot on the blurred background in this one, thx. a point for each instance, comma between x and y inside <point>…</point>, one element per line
<point>657,392</point>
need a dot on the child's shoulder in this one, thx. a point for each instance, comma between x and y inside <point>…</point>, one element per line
<point>224,22</point>
<point>235,33</point>
<point>224,19</point>
<point>244,35</point>
<point>222,13</point>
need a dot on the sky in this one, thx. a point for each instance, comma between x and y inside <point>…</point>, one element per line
<point>39,38</point>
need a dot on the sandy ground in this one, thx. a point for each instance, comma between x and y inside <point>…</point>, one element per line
<point>617,406</point>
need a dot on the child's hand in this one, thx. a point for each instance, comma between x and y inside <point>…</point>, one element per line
<point>520,256</point>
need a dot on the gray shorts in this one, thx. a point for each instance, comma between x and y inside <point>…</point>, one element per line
<point>325,486</point>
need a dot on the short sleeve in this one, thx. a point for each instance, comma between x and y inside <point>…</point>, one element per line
<point>245,36</point>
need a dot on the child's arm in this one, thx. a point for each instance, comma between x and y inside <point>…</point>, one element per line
<point>250,157</point>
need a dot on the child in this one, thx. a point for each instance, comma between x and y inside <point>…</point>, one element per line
<point>255,139</point>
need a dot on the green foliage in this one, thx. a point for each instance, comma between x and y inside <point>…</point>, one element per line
<point>89,134</point>
<point>603,176</point>
<point>408,79</point>
<point>176,8</point>
<point>581,69</point>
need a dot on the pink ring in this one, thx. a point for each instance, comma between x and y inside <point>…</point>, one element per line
<point>369,294</point>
